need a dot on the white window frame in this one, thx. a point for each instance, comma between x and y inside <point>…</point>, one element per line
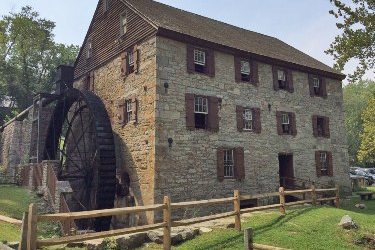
<point>245,67</point>
<point>124,23</point>
<point>201,105</point>
<point>131,58</point>
<point>89,49</point>
<point>285,119</point>
<point>281,75</point>
<point>248,120</point>
<point>323,161</point>
<point>316,82</point>
<point>199,57</point>
<point>106,5</point>
<point>129,110</point>
<point>228,163</point>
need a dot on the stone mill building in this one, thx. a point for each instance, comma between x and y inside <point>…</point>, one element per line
<point>198,107</point>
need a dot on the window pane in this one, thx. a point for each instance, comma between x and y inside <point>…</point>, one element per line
<point>316,82</point>
<point>245,68</point>
<point>248,119</point>
<point>228,163</point>
<point>131,58</point>
<point>285,119</point>
<point>281,75</point>
<point>199,57</point>
<point>201,105</point>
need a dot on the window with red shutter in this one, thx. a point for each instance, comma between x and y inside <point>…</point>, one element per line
<point>189,109</point>
<point>286,123</point>
<point>317,86</point>
<point>200,60</point>
<point>320,126</point>
<point>213,113</point>
<point>239,163</point>
<point>282,79</point>
<point>246,70</point>
<point>220,164</point>
<point>323,161</point>
<point>239,116</point>
<point>257,127</point>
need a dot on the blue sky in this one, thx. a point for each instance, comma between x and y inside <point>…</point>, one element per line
<point>306,25</point>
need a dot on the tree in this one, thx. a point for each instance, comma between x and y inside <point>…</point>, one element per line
<point>357,41</point>
<point>366,153</point>
<point>356,98</point>
<point>29,55</point>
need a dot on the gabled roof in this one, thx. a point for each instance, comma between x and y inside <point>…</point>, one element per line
<point>210,30</point>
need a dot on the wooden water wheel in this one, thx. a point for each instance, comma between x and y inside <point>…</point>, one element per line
<point>80,137</point>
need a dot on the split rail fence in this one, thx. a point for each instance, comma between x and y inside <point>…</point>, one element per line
<point>29,234</point>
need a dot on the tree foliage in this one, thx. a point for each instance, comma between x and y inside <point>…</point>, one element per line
<point>356,98</point>
<point>366,153</point>
<point>29,55</point>
<point>357,41</point>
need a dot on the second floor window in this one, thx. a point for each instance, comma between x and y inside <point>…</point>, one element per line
<point>199,60</point>
<point>129,110</point>
<point>321,126</point>
<point>201,112</point>
<point>316,84</point>
<point>285,123</point>
<point>248,119</point>
<point>281,78</point>
<point>245,71</point>
<point>228,163</point>
<point>323,163</point>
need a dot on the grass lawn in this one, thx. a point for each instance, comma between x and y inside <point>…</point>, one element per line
<point>13,202</point>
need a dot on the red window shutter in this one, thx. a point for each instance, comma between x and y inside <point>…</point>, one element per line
<point>136,54</point>
<point>239,118</point>
<point>254,73</point>
<point>317,164</point>
<point>220,164</point>
<point>213,113</point>
<point>134,109</point>
<point>237,68</point>
<point>293,124</point>
<point>190,59</point>
<point>275,78</point>
<point>330,164</point>
<point>327,132</point>
<point>257,128</point>
<point>124,64</point>
<point>189,106</point>
<point>323,89</point>
<point>210,64</point>
<point>239,163</point>
<point>279,124</point>
<point>311,85</point>
<point>121,112</point>
<point>315,125</point>
<point>289,79</point>
<point>92,81</point>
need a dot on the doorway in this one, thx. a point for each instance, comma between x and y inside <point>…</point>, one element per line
<point>286,170</point>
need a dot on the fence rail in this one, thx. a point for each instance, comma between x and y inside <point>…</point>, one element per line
<point>33,243</point>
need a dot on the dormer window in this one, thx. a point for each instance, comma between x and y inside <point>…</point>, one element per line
<point>281,77</point>
<point>89,49</point>
<point>245,71</point>
<point>199,60</point>
<point>124,24</point>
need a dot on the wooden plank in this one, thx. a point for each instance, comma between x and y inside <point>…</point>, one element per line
<point>99,213</point>
<point>298,191</point>
<point>253,209</point>
<point>201,219</point>
<point>10,220</point>
<point>237,210</point>
<point>99,235</point>
<point>32,228</point>
<point>23,240</point>
<point>201,203</point>
<point>325,189</point>
<point>327,199</point>
<point>167,240</point>
<point>257,196</point>
<point>297,203</point>
<point>265,247</point>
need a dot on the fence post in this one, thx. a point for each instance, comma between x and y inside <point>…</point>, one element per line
<point>168,223</point>
<point>23,241</point>
<point>282,200</point>
<point>304,187</point>
<point>32,227</point>
<point>248,238</point>
<point>313,194</point>
<point>237,210</point>
<point>337,200</point>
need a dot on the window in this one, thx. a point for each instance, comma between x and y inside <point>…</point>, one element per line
<point>320,126</point>
<point>89,49</point>
<point>323,163</point>
<point>228,163</point>
<point>129,110</point>
<point>130,62</point>
<point>105,5</point>
<point>285,123</point>
<point>201,112</point>
<point>245,71</point>
<point>316,84</point>
<point>248,119</point>
<point>124,24</point>
<point>199,60</point>
<point>281,78</point>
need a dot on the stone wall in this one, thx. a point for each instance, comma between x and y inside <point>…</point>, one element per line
<point>134,142</point>
<point>187,170</point>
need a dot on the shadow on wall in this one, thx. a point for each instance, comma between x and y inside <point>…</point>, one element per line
<point>128,191</point>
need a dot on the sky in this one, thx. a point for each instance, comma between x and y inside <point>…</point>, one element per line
<point>304,24</point>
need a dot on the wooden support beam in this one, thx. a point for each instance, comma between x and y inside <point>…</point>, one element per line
<point>248,234</point>
<point>167,224</point>
<point>23,240</point>
<point>237,210</point>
